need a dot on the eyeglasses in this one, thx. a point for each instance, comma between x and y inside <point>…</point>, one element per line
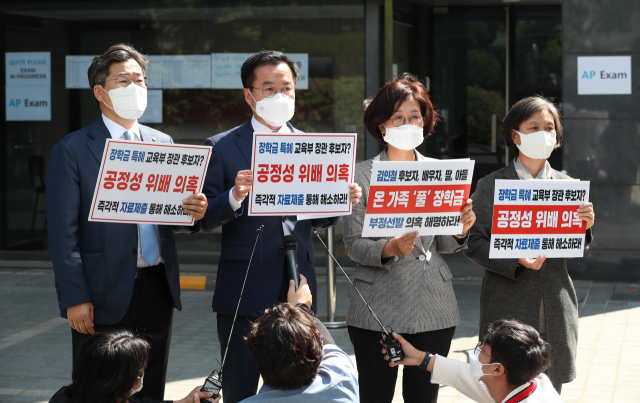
<point>478,350</point>
<point>269,90</point>
<point>415,120</point>
<point>124,81</point>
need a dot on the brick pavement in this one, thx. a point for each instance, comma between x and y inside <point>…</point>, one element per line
<point>35,347</point>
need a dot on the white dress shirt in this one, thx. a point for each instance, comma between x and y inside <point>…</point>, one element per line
<point>457,374</point>
<point>117,132</point>
<point>257,128</point>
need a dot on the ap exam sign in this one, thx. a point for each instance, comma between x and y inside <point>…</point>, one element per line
<point>604,75</point>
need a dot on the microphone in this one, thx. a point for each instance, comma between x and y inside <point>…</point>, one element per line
<point>291,249</point>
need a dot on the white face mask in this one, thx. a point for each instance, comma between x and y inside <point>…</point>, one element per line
<point>405,137</point>
<point>538,145</point>
<point>476,367</point>
<point>276,110</point>
<point>129,102</point>
<point>139,388</point>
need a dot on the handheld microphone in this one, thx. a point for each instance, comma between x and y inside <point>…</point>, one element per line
<point>291,249</point>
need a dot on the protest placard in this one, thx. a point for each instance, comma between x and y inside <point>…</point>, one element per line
<point>142,182</point>
<point>538,218</point>
<point>302,174</point>
<point>425,196</point>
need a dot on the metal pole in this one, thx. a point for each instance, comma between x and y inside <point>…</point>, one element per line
<point>331,277</point>
<point>331,321</point>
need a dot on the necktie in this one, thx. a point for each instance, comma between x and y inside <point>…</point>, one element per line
<point>148,236</point>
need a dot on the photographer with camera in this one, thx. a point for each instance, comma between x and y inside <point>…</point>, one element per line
<point>297,357</point>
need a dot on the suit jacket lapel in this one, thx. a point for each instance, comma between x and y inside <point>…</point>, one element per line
<point>99,134</point>
<point>510,171</point>
<point>244,140</point>
<point>144,134</point>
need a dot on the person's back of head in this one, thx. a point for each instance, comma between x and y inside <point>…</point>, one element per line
<point>519,348</point>
<point>286,346</point>
<point>107,367</point>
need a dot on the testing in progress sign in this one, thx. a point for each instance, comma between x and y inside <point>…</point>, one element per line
<point>538,218</point>
<point>145,183</point>
<point>425,196</point>
<point>302,174</point>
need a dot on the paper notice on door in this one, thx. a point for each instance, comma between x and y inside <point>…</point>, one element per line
<point>76,71</point>
<point>190,71</point>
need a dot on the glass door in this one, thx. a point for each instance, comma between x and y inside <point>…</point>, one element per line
<point>469,85</point>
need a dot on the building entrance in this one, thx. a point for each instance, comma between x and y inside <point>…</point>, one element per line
<point>479,61</point>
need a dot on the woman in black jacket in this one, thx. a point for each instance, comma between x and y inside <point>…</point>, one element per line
<point>110,369</point>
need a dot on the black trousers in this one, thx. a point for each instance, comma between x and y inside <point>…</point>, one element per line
<point>150,315</point>
<point>378,381</point>
<point>240,375</point>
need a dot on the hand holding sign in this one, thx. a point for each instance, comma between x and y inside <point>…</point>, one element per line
<point>585,212</point>
<point>196,205</point>
<point>467,217</point>
<point>243,184</point>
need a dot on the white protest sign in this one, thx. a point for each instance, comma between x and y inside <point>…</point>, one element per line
<point>25,69</point>
<point>225,69</point>
<point>604,75</point>
<point>425,196</point>
<point>302,173</point>
<point>28,103</point>
<point>142,182</point>
<point>534,218</point>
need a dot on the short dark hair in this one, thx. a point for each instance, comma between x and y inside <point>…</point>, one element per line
<point>272,57</point>
<point>380,108</point>
<point>107,367</point>
<point>286,346</point>
<point>99,69</point>
<point>523,110</point>
<point>519,348</point>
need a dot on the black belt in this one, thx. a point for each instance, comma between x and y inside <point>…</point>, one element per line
<point>150,271</point>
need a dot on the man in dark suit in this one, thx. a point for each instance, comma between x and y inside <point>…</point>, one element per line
<point>113,275</point>
<point>269,81</point>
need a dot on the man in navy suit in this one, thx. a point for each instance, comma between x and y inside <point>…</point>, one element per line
<point>111,275</point>
<point>269,79</point>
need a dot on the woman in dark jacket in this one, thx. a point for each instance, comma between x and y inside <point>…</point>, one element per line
<point>110,369</point>
<point>538,292</point>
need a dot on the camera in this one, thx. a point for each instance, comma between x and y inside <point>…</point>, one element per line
<point>394,351</point>
<point>212,384</point>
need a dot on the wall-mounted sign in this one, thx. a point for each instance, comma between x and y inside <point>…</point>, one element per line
<point>225,69</point>
<point>28,103</point>
<point>76,71</point>
<point>153,112</point>
<point>604,75</point>
<point>31,69</point>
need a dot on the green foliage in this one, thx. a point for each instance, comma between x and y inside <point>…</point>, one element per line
<point>481,104</point>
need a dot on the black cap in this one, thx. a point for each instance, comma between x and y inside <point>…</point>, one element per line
<point>290,243</point>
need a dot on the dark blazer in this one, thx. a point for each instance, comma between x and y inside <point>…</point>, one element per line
<point>511,291</point>
<point>96,261</point>
<point>230,153</point>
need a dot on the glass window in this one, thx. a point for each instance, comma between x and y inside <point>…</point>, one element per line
<point>538,49</point>
<point>329,33</point>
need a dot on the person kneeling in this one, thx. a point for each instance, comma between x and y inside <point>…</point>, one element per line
<point>297,357</point>
<point>506,366</point>
<point>110,368</point>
